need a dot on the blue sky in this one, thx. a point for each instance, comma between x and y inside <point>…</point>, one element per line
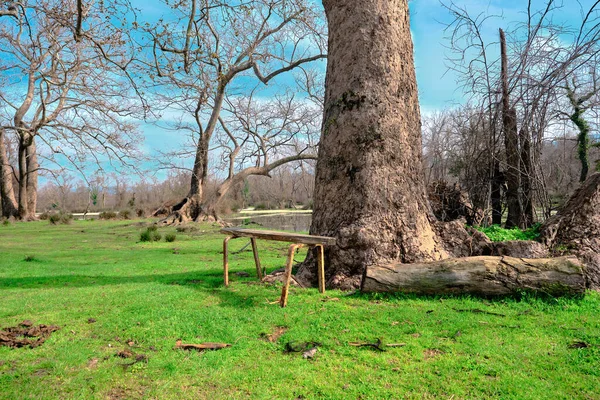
<point>437,87</point>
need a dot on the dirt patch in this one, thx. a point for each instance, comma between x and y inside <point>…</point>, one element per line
<point>432,353</point>
<point>277,333</point>
<point>26,334</point>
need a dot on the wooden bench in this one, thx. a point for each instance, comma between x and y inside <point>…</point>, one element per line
<point>297,240</point>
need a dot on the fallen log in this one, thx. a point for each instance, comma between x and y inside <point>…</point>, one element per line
<point>486,275</point>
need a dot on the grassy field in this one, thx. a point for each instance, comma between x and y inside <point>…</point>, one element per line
<point>145,296</point>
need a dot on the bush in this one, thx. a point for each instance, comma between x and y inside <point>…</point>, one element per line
<point>170,237</point>
<point>107,215</point>
<point>140,212</point>
<point>60,218</point>
<point>262,206</point>
<point>5,222</point>
<point>188,228</point>
<point>44,216</point>
<point>145,236</point>
<point>156,237</point>
<point>498,234</point>
<point>150,234</point>
<point>125,214</point>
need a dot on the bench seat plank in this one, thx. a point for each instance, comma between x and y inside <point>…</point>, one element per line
<point>279,236</point>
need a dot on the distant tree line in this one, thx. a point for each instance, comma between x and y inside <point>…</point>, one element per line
<point>288,187</point>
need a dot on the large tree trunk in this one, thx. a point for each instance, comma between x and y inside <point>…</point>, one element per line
<point>7,194</point>
<point>487,276</point>
<point>369,190</point>
<point>511,141</point>
<point>191,208</point>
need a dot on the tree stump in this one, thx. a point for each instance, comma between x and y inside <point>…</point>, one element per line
<point>575,229</point>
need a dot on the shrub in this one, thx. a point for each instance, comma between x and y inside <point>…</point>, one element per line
<point>140,212</point>
<point>5,222</point>
<point>60,218</point>
<point>498,234</point>
<point>150,234</point>
<point>170,237</point>
<point>125,214</point>
<point>187,228</point>
<point>308,206</point>
<point>145,236</point>
<point>107,215</point>
<point>44,216</point>
<point>261,206</point>
<point>156,237</point>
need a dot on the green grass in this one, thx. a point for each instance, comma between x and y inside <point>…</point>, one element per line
<point>498,234</point>
<point>153,293</point>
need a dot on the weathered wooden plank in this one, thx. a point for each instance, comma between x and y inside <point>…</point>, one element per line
<point>278,236</point>
<point>488,276</point>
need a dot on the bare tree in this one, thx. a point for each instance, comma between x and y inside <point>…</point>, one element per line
<point>214,46</point>
<point>537,57</point>
<point>74,101</point>
<point>260,136</point>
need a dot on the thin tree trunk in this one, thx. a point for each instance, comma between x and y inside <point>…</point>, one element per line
<point>526,176</point>
<point>32,179</point>
<point>511,140</point>
<point>370,191</point>
<point>22,178</point>
<point>7,194</point>
<point>582,138</point>
<point>496,194</point>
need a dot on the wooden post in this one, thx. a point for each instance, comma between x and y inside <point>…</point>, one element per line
<point>288,274</point>
<point>226,261</point>
<point>321,267</point>
<point>256,259</point>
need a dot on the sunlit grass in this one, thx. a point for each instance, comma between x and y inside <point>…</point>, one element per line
<point>153,293</point>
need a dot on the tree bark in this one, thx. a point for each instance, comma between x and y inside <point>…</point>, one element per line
<point>487,276</point>
<point>370,191</point>
<point>7,194</point>
<point>511,141</point>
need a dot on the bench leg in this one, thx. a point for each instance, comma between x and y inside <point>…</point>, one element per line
<point>288,274</point>
<point>256,259</point>
<point>321,267</point>
<point>226,261</point>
